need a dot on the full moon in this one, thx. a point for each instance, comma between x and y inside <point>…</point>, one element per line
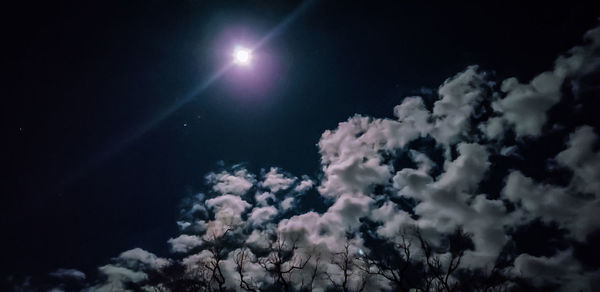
<point>242,56</point>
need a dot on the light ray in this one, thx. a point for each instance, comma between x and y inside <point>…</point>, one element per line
<point>147,126</point>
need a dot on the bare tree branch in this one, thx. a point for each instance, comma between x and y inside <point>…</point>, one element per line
<point>282,261</point>
<point>241,257</point>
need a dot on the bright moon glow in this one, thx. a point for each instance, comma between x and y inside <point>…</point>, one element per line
<point>242,56</point>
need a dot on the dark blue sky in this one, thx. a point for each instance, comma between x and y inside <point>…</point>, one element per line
<point>81,76</point>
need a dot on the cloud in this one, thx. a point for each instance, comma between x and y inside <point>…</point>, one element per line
<point>260,238</point>
<point>413,118</point>
<point>253,272</point>
<point>138,255</point>
<point>538,200</point>
<point>582,160</point>
<point>68,274</point>
<point>465,172</point>
<point>184,243</point>
<point>568,206</point>
<point>561,269</point>
<point>183,224</point>
<point>276,181</point>
<point>350,158</point>
<point>449,203</point>
<point>494,128</point>
<point>228,208</point>
<point>304,185</point>
<point>231,183</point>
<point>117,278</point>
<point>263,198</point>
<point>261,215</point>
<point>393,219</point>
<point>434,167</point>
<point>192,261</point>
<point>287,203</point>
<point>329,228</point>
<point>459,96</point>
<point>524,106</point>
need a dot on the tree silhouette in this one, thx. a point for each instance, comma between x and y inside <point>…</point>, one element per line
<point>282,261</point>
<point>349,267</point>
<point>413,264</point>
<point>241,258</point>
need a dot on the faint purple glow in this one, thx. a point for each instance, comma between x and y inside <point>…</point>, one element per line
<point>253,83</point>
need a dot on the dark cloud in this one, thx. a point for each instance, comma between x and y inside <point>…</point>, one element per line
<point>68,273</point>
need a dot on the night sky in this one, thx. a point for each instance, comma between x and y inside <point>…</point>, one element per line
<point>93,166</point>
